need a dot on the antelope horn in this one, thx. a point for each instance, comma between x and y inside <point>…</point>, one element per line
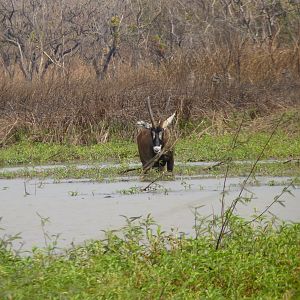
<point>167,122</point>
<point>150,112</point>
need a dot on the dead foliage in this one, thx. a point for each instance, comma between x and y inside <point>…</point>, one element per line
<point>79,108</point>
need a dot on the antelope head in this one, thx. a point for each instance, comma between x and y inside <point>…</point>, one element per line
<point>159,138</point>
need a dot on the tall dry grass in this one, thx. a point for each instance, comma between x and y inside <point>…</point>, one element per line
<point>77,108</point>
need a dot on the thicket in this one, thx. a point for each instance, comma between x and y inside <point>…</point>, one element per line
<point>80,71</point>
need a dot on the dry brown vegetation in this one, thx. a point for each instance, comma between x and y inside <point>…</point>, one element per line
<point>81,109</point>
<point>79,73</point>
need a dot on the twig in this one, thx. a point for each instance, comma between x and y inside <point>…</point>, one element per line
<point>276,200</point>
<point>235,201</point>
<point>8,132</point>
<point>156,179</point>
<point>129,170</point>
<point>271,204</point>
<point>220,163</point>
<point>291,160</point>
<point>233,146</point>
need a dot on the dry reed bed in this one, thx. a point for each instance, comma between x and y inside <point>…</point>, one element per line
<point>78,108</point>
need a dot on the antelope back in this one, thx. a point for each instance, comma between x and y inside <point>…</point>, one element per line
<point>145,145</point>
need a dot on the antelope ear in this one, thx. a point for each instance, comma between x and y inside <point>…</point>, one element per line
<point>167,122</point>
<point>143,124</point>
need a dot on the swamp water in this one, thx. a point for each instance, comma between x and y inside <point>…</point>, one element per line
<point>79,210</point>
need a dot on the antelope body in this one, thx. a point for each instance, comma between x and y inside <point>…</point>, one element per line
<point>154,143</point>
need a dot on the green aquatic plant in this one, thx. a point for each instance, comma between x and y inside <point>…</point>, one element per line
<point>257,261</point>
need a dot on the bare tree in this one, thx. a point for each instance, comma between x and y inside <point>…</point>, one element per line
<point>42,35</point>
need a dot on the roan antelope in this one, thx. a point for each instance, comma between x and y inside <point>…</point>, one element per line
<point>154,143</point>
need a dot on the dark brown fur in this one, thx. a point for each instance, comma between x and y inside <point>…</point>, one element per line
<point>145,147</point>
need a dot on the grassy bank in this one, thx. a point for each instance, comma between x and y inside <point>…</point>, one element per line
<point>193,148</point>
<point>254,263</point>
<point>98,173</point>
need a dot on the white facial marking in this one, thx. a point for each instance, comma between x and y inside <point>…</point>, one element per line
<point>157,149</point>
